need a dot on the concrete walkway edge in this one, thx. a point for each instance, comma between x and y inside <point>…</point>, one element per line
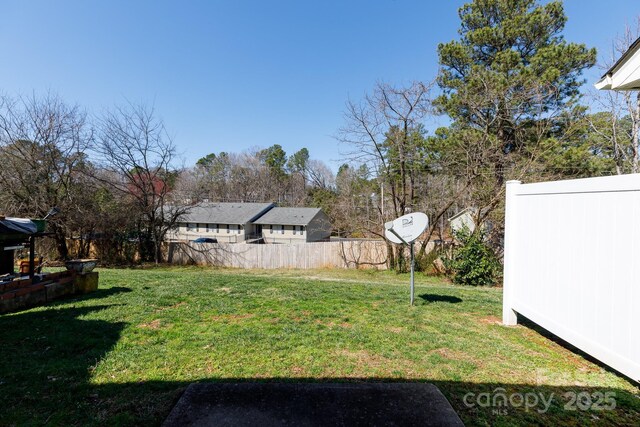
<point>312,404</point>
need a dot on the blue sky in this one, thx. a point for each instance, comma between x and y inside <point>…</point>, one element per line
<point>229,75</point>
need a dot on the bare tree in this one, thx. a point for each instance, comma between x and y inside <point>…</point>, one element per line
<point>385,132</point>
<point>139,155</point>
<point>379,132</point>
<point>319,175</point>
<point>620,105</point>
<point>42,149</point>
<point>259,175</point>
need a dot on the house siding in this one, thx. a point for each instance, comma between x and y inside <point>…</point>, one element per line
<point>185,232</point>
<point>284,234</point>
<point>318,229</point>
<point>462,221</point>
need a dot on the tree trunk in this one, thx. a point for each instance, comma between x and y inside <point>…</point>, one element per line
<point>61,245</point>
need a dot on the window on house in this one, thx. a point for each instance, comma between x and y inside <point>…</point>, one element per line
<point>282,229</point>
<point>191,227</point>
<point>239,228</point>
<point>295,227</point>
<point>301,230</point>
<point>228,228</point>
<point>217,228</point>
<point>270,229</point>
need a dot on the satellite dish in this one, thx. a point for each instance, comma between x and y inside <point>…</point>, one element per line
<point>407,228</point>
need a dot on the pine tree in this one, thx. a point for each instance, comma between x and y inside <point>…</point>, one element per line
<point>507,78</point>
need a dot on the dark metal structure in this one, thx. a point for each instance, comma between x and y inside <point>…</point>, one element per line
<point>18,233</point>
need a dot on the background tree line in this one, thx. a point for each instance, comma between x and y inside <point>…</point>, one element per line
<point>510,89</point>
<point>111,176</point>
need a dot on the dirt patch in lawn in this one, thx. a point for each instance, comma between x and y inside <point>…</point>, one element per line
<point>365,358</point>
<point>450,354</point>
<point>232,318</point>
<point>490,320</point>
<point>155,324</point>
<point>180,304</point>
<point>332,324</point>
<point>297,370</point>
<point>303,315</point>
<point>365,361</point>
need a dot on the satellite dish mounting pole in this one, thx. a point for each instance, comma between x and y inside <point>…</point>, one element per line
<point>404,242</point>
<point>412,269</point>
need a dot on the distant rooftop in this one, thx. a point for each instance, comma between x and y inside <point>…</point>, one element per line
<point>288,216</point>
<point>226,213</point>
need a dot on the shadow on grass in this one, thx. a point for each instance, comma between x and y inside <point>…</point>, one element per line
<point>149,403</point>
<point>524,321</point>
<point>440,298</point>
<point>64,300</point>
<point>104,293</point>
<point>47,357</point>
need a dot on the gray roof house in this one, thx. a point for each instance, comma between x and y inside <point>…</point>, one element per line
<point>293,225</point>
<point>227,213</point>
<point>222,222</point>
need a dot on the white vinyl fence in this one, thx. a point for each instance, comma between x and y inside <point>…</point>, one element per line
<point>572,264</point>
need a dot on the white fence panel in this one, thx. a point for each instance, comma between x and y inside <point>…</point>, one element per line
<point>572,264</point>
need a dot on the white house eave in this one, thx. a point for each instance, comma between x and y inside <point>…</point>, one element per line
<point>625,74</point>
<point>604,83</point>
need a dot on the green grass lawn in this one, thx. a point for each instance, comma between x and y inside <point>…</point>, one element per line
<point>123,354</point>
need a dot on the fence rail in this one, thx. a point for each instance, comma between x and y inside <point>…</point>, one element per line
<point>347,254</point>
<point>571,264</point>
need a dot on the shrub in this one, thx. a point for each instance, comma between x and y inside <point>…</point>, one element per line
<point>425,264</point>
<point>473,263</point>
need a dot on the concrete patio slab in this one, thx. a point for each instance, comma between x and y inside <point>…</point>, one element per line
<point>312,404</point>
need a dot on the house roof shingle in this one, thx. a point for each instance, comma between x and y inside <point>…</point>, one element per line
<point>288,216</point>
<point>226,213</point>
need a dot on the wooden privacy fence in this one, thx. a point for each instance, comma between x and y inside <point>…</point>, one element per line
<point>346,254</point>
<point>571,264</point>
